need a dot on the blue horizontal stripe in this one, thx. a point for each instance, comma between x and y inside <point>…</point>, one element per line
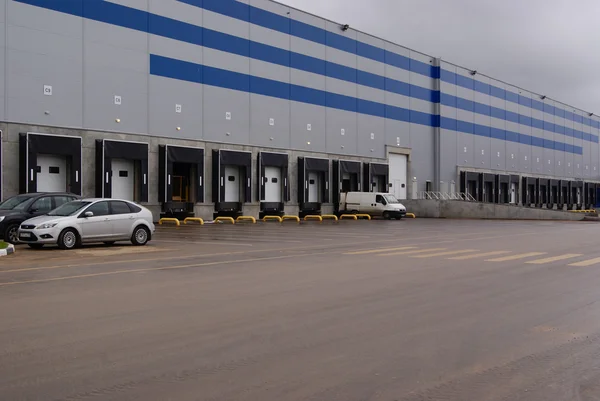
<point>102,11</point>
<point>478,86</point>
<point>483,109</point>
<point>197,73</point>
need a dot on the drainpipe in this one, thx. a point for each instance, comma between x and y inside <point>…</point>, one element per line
<point>436,126</point>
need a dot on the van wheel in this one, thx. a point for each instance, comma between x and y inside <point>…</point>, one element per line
<point>399,217</point>
<point>386,215</point>
<point>68,239</point>
<point>140,236</point>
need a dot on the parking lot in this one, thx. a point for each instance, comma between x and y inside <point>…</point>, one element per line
<point>350,310</point>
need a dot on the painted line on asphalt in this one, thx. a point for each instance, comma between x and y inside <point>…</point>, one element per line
<point>378,250</point>
<point>412,252</point>
<point>515,257</point>
<point>554,258</point>
<point>588,262</point>
<point>478,255</point>
<point>431,255</point>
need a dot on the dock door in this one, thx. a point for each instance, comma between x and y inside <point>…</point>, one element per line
<point>313,184</point>
<point>180,179</point>
<point>232,181</point>
<point>49,163</point>
<point>273,189</point>
<point>376,177</point>
<point>346,178</point>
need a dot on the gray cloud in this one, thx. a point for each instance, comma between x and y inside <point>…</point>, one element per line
<point>549,47</point>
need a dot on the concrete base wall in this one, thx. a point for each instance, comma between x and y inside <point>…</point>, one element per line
<point>452,209</point>
<point>10,165</point>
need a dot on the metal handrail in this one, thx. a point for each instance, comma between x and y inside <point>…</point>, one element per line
<point>464,196</point>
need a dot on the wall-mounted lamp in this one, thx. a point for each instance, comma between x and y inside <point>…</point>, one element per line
<point>178,128</point>
<point>542,97</point>
<point>117,120</point>
<point>590,114</point>
<point>473,72</point>
<point>345,27</point>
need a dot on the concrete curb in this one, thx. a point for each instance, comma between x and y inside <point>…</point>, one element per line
<point>8,251</point>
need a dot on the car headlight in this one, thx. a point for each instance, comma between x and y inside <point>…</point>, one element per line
<point>46,226</point>
<point>2,218</point>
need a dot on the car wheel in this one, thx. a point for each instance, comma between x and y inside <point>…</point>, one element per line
<point>140,236</point>
<point>68,239</point>
<point>11,234</point>
<point>36,246</point>
<point>386,215</point>
<point>109,243</point>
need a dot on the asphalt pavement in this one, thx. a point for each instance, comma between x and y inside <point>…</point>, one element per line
<point>355,310</point>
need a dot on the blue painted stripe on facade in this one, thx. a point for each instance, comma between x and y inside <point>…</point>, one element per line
<point>483,109</point>
<point>280,23</point>
<point>191,72</point>
<point>100,10</point>
<point>478,86</point>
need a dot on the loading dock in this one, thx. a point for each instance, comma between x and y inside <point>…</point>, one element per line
<point>553,193</point>
<point>273,176</point>
<point>590,195</point>
<point>564,194</point>
<point>122,170</point>
<point>376,178</point>
<point>487,183</point>
<point>529,191</point>
<point>313,184</point>
<point>346,178</point>
<point>514,189</point>
<point>541,192</point>
<point>469,183</point>
<point>180,180</point>
<point>1,170</point>
<point>232,182</point>
<point>502,189</point>
<point>576,195</point>
<point>49,163</point>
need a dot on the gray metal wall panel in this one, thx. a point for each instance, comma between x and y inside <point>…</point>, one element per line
<point>217,103</point>
<point>512,156</point>
<point>525,151</point>
<point>338,120</point>
<point>422,143</point>
<point>497,154</point>
<point>262,133</point>
<point>176,10</point>
<point>301,136</point>
<point>165,95</point>
<point>448,160</point>
<point>221,23</point>
<point>19,14</point>
<point>537,160</point>
<point>397,133</point>
<point>371,147</point>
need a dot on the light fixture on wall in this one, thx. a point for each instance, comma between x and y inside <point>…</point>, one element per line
<point>117,120</point>
<point>473,72</point>
<point>590,114</point>
<point>178,128</point>
<point>345,27</point>
<point>542,97</point>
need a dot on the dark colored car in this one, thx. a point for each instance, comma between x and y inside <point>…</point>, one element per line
<point>19,208</point>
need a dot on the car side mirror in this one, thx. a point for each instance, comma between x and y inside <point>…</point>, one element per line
<point>88,214</point>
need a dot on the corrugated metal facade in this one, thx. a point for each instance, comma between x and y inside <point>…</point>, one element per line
<point>258,73</point>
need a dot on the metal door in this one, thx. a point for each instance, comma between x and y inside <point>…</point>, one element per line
<point>232,184</point>
<point>314,187</point>
<point>398,177</point>
<point>122,179</point>
<point>273,184</point>
<point>51,173</point>
<point>513,192</point>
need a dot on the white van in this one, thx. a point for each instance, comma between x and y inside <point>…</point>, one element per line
<point>372,203</point>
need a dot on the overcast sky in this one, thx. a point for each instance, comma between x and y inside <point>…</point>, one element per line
<point>551,47</point>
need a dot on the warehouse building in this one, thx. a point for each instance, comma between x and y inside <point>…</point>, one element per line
<point>226,107</point>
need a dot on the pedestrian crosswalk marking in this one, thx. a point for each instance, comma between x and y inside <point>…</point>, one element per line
<point>412,252</point>
<point>584,263</point>
<point>478,255</point>
<point>515,257</point>
<point>554,258</point>
<point>431,255</point>
<point>379,250</point>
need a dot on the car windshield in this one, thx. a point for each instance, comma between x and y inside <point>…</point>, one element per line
<point>69,208</point>
<point>15,203</point>
<point>391,199</point>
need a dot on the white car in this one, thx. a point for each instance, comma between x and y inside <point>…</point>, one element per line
<point>89,220</point>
